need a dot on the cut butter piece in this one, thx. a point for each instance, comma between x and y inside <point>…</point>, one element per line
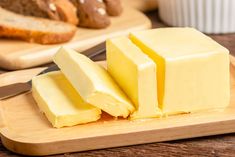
<point>93,83</point>
<point>60,102</point>
<point>193,70</point>
<point>135,73</point>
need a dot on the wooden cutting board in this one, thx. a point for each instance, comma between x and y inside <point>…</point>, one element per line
<point>25,130</point>
<point>15,54</point>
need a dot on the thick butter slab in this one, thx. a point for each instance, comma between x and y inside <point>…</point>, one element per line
<point>60,102</point>
<point>193,70</point>
<point>135,73</point>
<point>93,83</point>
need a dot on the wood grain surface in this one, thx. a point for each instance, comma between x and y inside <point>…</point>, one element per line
<point>18,116</point>
<point>222,145</point>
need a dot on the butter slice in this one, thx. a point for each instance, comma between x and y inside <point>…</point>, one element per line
<point>193,70</point>
<point>93,83</point>
<point>135,72</point>
<point>60,102</point>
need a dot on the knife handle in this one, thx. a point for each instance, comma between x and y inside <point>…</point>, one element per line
<point>14,89</point>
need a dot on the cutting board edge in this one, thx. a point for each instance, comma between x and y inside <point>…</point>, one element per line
<point>102,142</point>
<point>12,63</point>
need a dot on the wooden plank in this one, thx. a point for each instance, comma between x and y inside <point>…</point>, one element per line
<point>25,130</point>
<point>15,54</point>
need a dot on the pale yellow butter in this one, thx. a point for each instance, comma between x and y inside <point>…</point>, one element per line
<point>60,102</point>
<point>135,72</point>
<point>193,70</point>
<point>93,83</point>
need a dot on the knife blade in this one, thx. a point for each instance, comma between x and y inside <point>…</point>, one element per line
<point>22,87</point>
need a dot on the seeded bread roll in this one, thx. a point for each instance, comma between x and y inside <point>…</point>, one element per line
<point>113,7</point>
<point>62,10</point>
<point>91,13</point>
<point>34,29</point>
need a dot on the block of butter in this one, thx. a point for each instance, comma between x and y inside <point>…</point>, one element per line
<point>193,70</point>
<point>135,73</point>
<point>93,83</point>
<point>60,102</point>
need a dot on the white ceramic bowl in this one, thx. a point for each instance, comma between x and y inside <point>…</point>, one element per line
<point>209,16</point>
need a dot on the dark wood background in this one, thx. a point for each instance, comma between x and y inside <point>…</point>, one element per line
<point>220,145</point>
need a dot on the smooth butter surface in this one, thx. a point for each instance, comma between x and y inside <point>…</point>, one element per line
<point>135,72</point>
<point>193,70</point>
<point>93,83</point>
<point>60,102</point>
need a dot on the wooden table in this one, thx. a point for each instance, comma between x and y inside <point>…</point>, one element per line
<point>222,145</point>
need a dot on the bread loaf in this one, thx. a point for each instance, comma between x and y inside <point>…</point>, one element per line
<point>89,13</point>
<point>54,9</point>
<point>34,29</point>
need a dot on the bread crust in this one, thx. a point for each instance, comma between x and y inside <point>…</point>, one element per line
<point>67,11</point>
<point>36,36</point>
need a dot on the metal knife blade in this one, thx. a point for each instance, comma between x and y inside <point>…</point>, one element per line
<point>19,88</point>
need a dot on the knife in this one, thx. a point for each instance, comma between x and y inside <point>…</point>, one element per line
<point>19,88</point>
